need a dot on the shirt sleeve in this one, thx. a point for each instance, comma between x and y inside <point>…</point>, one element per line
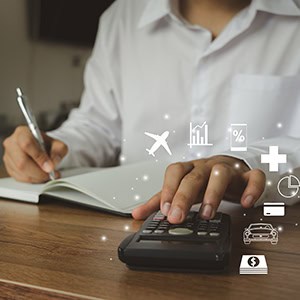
<point>286,145</point>
<point>93,131</point>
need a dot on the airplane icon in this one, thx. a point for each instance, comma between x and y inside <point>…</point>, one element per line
<point>160,140</point>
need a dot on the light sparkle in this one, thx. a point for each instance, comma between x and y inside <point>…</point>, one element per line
<point>145,177</point>
<point>137,197</point>
<point>279,125</point>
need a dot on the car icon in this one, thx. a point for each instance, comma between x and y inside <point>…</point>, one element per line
<point>260,232</point>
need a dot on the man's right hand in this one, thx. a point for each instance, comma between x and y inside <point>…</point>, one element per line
<point>24,159</point>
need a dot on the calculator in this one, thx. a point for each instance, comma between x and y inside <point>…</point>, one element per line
<point>196,245</point>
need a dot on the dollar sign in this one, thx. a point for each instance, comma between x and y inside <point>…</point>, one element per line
<point>253,261</point>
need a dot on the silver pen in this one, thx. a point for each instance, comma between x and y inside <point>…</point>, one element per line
<point>32,124</point>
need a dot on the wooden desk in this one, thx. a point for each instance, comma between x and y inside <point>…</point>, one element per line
<point>54,250</point>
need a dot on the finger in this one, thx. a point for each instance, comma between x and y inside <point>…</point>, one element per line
<point>220,177</point>
<point>30,146</point>
<point>173,176</point>
<point>187,193</point>
<point>14,172</point>
<point>145,210</point>
<point>25,167</point>
<point>58,149</point>
<point>255,187</point>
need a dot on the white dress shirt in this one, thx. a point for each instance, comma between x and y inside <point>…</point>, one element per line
<point>151,71</point>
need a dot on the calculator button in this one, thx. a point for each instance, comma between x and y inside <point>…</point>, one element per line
<point>151,226</point>
<point>147,231</point>
<point>159,231</point>
<point>202,228</point>
<point>215,234</point>
<point>217,218</point>
<point>180,231</point>
<point>202,233</point>
<point>190,216</point>
<point>163,227</point>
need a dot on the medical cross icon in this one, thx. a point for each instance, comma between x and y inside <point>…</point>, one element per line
<point>273,158</point>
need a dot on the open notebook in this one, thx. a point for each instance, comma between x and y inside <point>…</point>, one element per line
<point>118,189</point>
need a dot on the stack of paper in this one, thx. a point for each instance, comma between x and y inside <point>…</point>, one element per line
<point>253,264</point>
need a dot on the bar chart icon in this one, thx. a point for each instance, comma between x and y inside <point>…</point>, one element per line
<point>199,135</point>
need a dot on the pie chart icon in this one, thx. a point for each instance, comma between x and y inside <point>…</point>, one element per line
<point>288,186</point>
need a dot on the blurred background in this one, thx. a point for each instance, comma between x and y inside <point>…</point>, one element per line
<point>44,47</point>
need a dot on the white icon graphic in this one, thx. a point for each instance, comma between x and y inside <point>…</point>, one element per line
<point>160,140</point>
<point>238,137</point>
<point>199,135</point>
<point>260,232</point>
<point>273,158</point>
<point>253,264</point>
<point>274,209</point>
<point>288,186</point>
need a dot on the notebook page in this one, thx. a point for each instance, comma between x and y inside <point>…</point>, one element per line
<point>120,188</point>
<point>12,189</point>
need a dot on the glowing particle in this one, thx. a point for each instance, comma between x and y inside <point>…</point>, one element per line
<point>279,125</point>
<point>122,158</point>
<point>136,178</point>
<point>237,165</point>
<point>137,197</point>
<point>145,177</point>
<point>198,154</point>
<point>114,197</point>
<point>260,219</point>
<point>124,140</point>
<point>280,228</point>
<point>244,214</point>
<point>126,227</point>
<point>166,117</point>
<point>296,224</point>
<point>263,138</point>
<point>174,131</point>
<point>269,182</point>
<point>216,173</point>
<point>183,157</point>
<point>110,258</point>
<point>103,238</point>
<point>290,171</point>
<point>132,188</point>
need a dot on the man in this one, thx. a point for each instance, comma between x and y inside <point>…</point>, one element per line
<point>159,65</point>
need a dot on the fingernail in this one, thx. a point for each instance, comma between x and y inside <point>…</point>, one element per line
<point>47,167</point>
<point>176,214</point>
<point>249,200</point>
<point>166,207</point>
<point>207,211</point>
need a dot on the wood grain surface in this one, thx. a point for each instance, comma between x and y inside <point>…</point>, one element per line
<point>55,250</point>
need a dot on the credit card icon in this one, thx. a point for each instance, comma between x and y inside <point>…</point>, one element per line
<point>274,209</point>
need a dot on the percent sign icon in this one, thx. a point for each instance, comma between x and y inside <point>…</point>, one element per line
<point>238,137</point>
<point>238,134</point>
